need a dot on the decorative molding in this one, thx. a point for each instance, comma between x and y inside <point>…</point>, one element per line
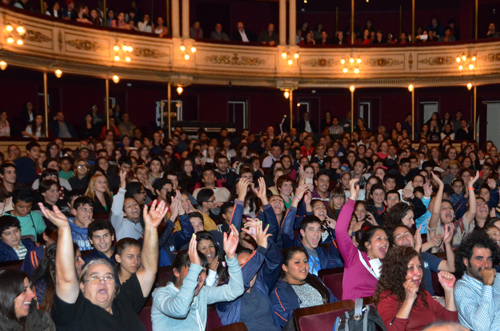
<point>85,45</point>
<point>321,62</point>
<point>491,57</point>
<point>36,36</point>
<point>235,60</point>
<point>410,61</point>
<point>149,53</point>
<point>384,62</point>
<point>438,60</point>
<point>60,40</point>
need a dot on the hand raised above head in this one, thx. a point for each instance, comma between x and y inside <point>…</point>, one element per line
<point>55,216</point>
<point>156,213</point>
<point>446,279</point>
<point>194,257</point>
<point>354,189</point>
<point>231,242</point>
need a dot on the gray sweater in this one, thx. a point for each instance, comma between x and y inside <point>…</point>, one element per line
<point>176,310</point>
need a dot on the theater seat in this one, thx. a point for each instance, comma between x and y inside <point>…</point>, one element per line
<point>240,326</point>
<point>321,317</point>
<point>332,278</point>
<point>213,319</point>
<point>163,275</point>
<point>145,316</point>
<point>11,264</point>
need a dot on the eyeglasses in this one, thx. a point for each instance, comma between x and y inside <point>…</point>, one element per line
<point>97,280</point>
<point>82,167</point>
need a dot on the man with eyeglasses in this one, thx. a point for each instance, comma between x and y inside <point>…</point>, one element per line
<point>93,302</point>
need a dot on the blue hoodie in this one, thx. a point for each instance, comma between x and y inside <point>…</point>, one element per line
<point>7,253</point>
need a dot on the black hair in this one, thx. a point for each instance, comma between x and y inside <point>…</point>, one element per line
<point>125,160</point>
<point>48,160</point>
<point>49,230</point>
<point>474,239</point>
<point>11,286</point>
<point>182,261</point>
<point>391,231</point>
<point>31,145</point>
<point>7,221</point>
<point>204,195</point>
<point>5,166</point>
<point>123,244</point>
<point>83,201</point>
<point>308,220</point>
<point>133,188</point>
<point>195,214</point>
<point>24,194</point>
<point>390,192</point>
<point>312,280</point>
<point>46,184</point>
<point>49,172</point>
<point>389,176</point>
<point>73,193</point>
<point>365,236</point>
<point>377,187</point>
<point>98,225</point>
<point>225,206</point>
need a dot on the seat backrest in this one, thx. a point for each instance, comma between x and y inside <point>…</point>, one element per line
<point>213,319</point>
<point>321,317</point>
<point>334,283</point>
<point>240,326</point>
<point>163,275</point>
<point>17,264</point>
<point>145,316</point>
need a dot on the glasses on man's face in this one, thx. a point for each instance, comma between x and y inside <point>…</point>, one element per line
<point>97,280</point>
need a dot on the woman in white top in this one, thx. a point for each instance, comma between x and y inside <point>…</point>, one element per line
<point>160,28</point>
<point>4,125</point>
<point>35,129</point>
<point>145,25</point>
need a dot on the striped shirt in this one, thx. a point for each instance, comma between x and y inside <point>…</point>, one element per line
<point>21,251</point>
<point>478,304</point>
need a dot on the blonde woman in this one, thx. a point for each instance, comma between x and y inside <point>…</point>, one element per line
<point>80,177</point>
<point>98,190</point>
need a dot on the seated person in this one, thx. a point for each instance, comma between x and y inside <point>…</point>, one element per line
<point>50,195</point>
<point>128,258</point>
<point>477,291</point>
<point>311,233</point>
<point>31,222</point>
<point>182,304</point>
<point>82,211</point>
<point>33,259</point>
<point>401,298</point>
<point>260,269</point>
<point>125,213</point>
<point>297,288</point>
<point>93,302</point>
<point>100,234</point>
<point>19,310</point>
<point>360,277</point>
<point>12,247</point>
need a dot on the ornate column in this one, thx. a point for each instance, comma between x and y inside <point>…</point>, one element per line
<point>175,19</point>
<point>282,22</point>
<point>292,23</point>
<point>185,19</point>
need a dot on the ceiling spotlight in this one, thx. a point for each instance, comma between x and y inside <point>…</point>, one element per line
<point>21,30</point>
<point>116,48</point>
<point>345,70</point>
<point>458,60</point>
<point>460,67</point>
<point>283,55</point>
<point>469,86</point>
<point>358,60</point>
<point>116,79</point>
<point>410,88</point>
<point>3,64</point>
<point>286,94</point>
<point>117,58</point>
<point>125,48</point>
<point>127,59</point>
<point>356,70</point>
<point>352,88</point>
<point>471,66</point>
<point>193,49</point>
<point>290,62</point>
<point>342,61</point>
<point>464,58</point>
<point>186,57</point>
<point>296,55</point>
<point>20,42</point>
<point>58,73</point>
<point>183,48</point>
<point>9,28</point>
<point>351,60</point>
<point>179,90</point>
<point>130,49</point>
<point>10,40</point>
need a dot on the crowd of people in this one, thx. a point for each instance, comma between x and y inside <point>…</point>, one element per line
<point>135,19</point>
<point>246,223</point>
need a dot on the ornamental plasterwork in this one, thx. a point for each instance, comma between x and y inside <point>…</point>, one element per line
<point>60,40</point>
<point>492,57</point>
<point>36,36</point>
<point>149,53</point>
<point>235,60</point>
<point>438,60</point>
<point>410,61</point>
<point>321,62</point>
<point>85,45</point>
<point>384,62</point>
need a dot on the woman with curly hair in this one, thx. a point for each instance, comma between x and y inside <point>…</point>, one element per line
<point>401,298</point>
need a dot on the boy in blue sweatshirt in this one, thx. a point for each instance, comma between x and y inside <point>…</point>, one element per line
<point>83,211</point>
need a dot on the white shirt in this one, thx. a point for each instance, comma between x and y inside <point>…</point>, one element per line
<point>243,36</point>
<point>307,127</point>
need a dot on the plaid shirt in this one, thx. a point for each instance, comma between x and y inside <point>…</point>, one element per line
<point>477,304</point>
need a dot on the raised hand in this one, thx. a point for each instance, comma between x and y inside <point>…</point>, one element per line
<point>427,189</point>
<point>447,280</point>
<point>331,222</point>
<point>156,213</point>
<point>242,187</point>
<point>301,190</point>
<point>473,180</point>
<point>231,241</point>
<point>418,239</point>
<point>55,216</point>
<point>174,206</point>
<point>354,189</point>
<point>437,179</point>
<point>437,240</point>
<point>371,219</point>
<point>308,198</point>
<point>261,191</point>
<point>449,230</point>
<point>123,179</point>
<point>411,289</point>
<point>193,251</point>
<point>257,233</point>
